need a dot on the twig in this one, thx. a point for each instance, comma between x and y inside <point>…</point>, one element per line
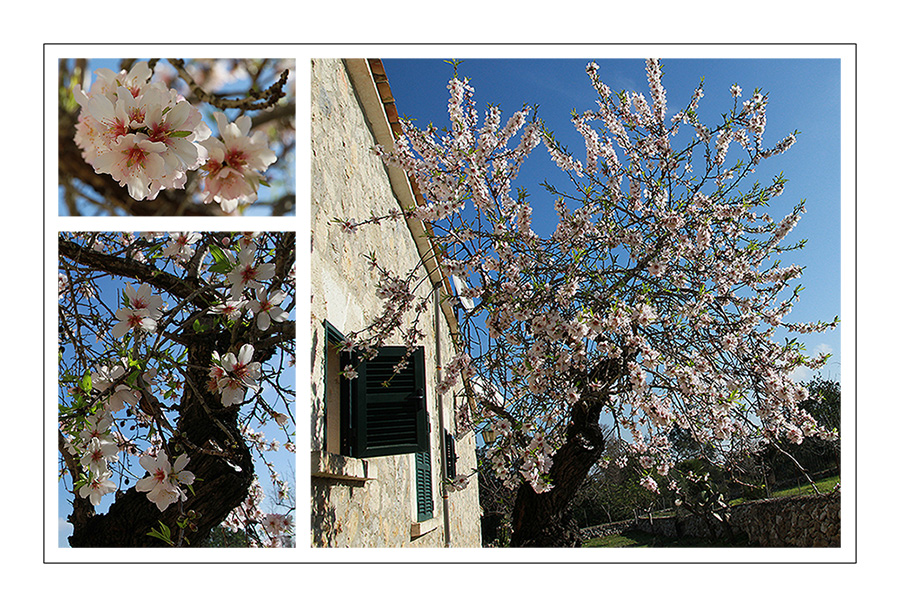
<point>251,102</point>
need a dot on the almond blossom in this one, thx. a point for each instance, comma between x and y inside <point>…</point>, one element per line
<point>108,375</point>
<point>134,161</point>
<point>230,309</point>
<point>277,525</point>
<point>179,246</point>
<point>235,164</point>
<point>97,486</point>
<point>247,274</point>
<point>98,454</point>
<point>265,308</point>
<point>231,375</point>
<point>143,134</point>
<point>162,483</point>
<point>137,319</point>
<point>143,298</point>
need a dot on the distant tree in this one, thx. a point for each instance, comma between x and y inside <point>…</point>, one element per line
<point>824,402</point>
<point>615,490</point>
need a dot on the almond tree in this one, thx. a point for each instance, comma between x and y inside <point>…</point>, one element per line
<point>166,375</point>
<point>654,302</point>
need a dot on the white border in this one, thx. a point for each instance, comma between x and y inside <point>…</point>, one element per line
<point>305,554</point>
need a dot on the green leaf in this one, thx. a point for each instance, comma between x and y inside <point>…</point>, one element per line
<point>180,133</point>
<point>86,382</point>
<point>220,268</point>
<point>163,533</point>
<point>217,254</point>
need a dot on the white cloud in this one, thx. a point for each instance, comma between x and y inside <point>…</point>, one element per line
<point>802,374</point>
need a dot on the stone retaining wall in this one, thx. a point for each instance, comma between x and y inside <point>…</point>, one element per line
<point>777,522</point>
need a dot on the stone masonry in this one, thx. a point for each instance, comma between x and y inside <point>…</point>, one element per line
<point>368,502</point>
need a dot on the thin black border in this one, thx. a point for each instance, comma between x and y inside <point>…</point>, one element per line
<point>854,45</point>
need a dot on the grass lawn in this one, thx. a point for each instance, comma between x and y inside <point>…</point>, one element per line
<point>825,486</point>
<point>639,539</point>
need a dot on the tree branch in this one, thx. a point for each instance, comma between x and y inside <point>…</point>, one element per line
<point>129,268</point>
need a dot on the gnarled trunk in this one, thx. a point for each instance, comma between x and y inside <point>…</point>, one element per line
<point>221,463</point>
<point>540,519</point>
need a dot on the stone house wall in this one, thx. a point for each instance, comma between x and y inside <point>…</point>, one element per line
<point>369,501</point>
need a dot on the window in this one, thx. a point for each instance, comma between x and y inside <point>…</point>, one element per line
<point>450,456</point>
<point>333,339</point>
<point>424,500</point>
<point>380,412</point>
<point>385,408</point>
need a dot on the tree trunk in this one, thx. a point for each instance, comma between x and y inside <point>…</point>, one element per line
<point>541,519</point>
<point>222,477</point>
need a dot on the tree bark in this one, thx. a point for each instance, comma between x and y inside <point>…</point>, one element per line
<point>541,519</point>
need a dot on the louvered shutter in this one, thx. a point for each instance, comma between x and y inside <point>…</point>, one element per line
<point>387,413</point>
<point>424,500</point>
<point>450,455</point>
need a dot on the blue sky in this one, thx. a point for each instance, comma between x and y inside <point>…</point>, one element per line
<point>804,95</point>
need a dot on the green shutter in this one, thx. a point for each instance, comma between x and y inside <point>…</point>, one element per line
<point>388,415</point>
<point>450,455</point>
<point>424,501</point>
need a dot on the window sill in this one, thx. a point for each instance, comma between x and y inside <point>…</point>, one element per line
<point>418,529</point>
<point>333,465</point>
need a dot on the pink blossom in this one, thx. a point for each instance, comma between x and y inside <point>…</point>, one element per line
<point>162,483</point>
<point>133,319</point>
<point>143,298</point>
<point>266,309</point>
<point>134,161</point>
<point>235,163</point>
<point>97,486</point>
<point>98,454</point>
<point>179,245</point>
<point>141,133</point>
<point>231,309</point>
<point>246,274</point>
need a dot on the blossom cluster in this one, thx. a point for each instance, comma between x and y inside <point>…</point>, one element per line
<point>147,137</point>
<point>235,163</point>
<point>277,528</point>
<point>142,133</point>
<point>164,480</point>
<point>98,447</point>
